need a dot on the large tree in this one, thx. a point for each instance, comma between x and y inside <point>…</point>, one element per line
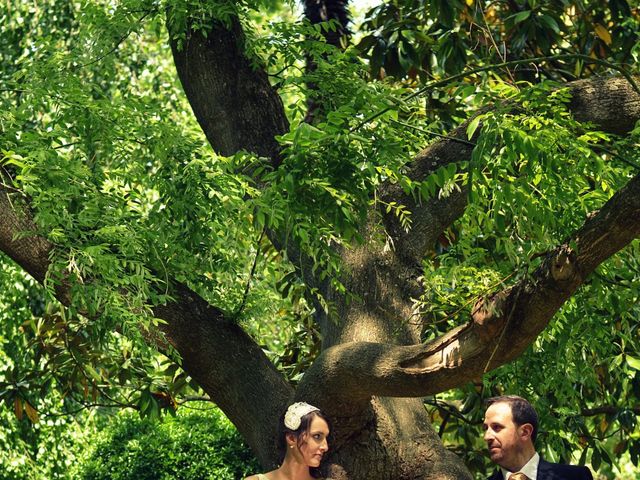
<point>440,194</point>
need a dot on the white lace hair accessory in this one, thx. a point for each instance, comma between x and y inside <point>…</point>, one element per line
<point>295,412</point>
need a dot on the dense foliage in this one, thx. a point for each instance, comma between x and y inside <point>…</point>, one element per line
<point>194,445</point>
<point>98,140</point>
<point>35,442</point>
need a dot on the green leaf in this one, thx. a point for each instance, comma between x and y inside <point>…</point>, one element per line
<point>549,22</point>
<point>633,362</point>
<point>94,374</point>
<point>473,126</point>
<point>521,16</point>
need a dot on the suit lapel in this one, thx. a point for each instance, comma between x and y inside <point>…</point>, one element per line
<point>497,475</point>
<point>545,471</point>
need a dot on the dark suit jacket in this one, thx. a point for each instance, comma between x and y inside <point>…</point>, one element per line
<point>554,471</point>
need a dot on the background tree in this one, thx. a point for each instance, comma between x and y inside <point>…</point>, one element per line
<point>454,206</point>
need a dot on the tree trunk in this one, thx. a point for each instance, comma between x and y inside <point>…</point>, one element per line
<point>396,442</point>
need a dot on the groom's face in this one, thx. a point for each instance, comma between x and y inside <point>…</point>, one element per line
<point>504,438</point>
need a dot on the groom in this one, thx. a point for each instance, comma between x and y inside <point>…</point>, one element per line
<point>510,427</point>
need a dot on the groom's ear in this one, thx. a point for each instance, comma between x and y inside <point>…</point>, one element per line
<point>526,431</point>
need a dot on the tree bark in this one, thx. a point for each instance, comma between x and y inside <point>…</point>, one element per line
<point>230,95</point>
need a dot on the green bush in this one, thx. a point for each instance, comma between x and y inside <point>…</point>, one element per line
<point>194,445</point>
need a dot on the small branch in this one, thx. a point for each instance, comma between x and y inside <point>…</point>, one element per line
<point>616,155</point>
<point>237,313</point>
<point>612,282</point>
<point>195,398</point>
<point>607,410</point>
<point>443,425</point>
<point>13,189</point>
<point>521,287</point>
<point>84,406</point>
<point>118,42</point>
<point>451,410</point>
<point>435,134</point>
<point>89,380</point>
<point>66,145</point>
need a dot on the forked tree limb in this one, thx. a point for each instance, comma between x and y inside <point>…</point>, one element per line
<point>500,328</point>
<point>611,104</point>
<point>238,110</point>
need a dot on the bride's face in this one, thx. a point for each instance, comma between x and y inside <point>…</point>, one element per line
<point>314,442</point>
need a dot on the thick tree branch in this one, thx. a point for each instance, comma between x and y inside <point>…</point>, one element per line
<point>231,97</point>
<point>229,366</point>
<point>30,251</point>
<point>384,280</point>
<point>223,89</point>
<point>215,352</point>
<point>501,328</point>
<point>319,11</point>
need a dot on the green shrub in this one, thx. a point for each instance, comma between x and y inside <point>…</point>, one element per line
<point>193,446</point>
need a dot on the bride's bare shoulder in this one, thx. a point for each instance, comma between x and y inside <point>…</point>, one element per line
<point>258,476</point>
<point>264,476</point>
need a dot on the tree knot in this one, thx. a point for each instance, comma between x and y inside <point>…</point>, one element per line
<point>563,264</point>
<point>487,311</point>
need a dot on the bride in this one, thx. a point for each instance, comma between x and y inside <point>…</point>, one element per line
<point>304,439</point>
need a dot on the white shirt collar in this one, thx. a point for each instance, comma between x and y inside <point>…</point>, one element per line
<point>530,469</point>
